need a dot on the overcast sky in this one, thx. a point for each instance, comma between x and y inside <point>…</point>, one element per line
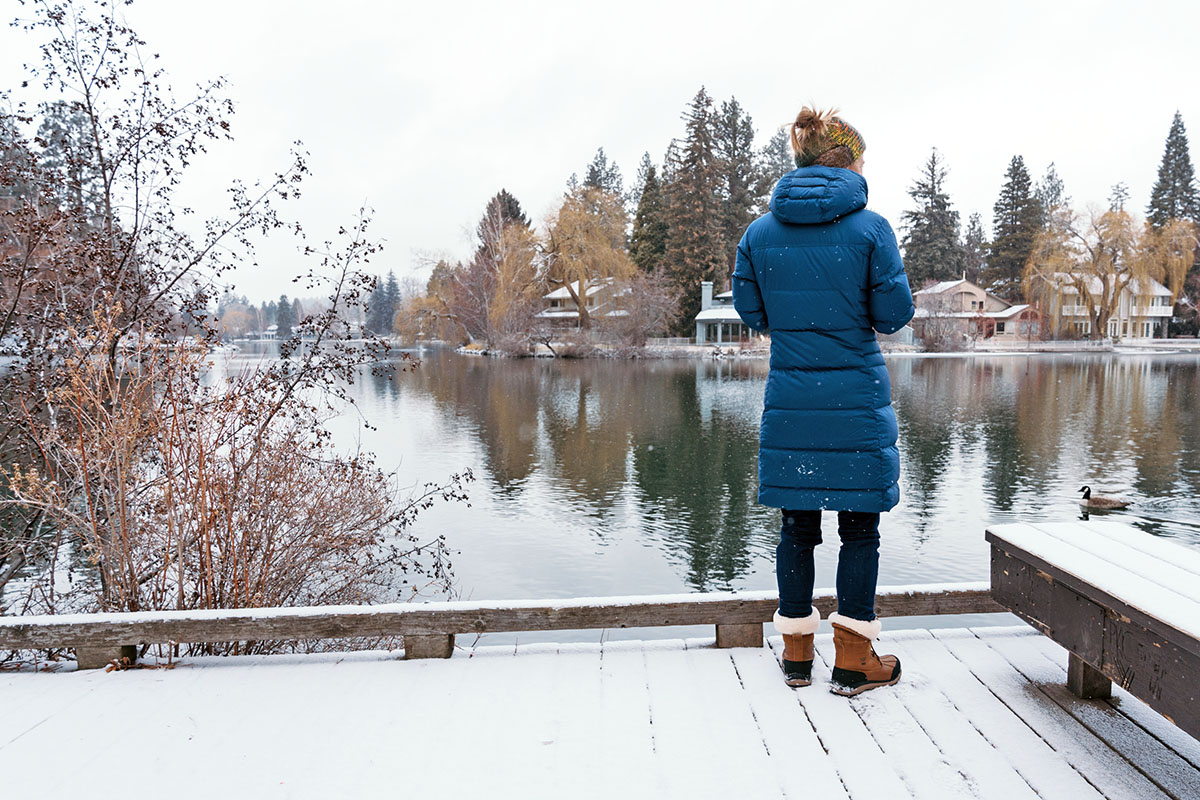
<point>424,111</point>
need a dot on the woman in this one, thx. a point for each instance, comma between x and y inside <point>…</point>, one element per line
<point>823,274</point>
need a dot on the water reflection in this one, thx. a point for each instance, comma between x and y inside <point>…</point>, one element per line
<point>600,477</point>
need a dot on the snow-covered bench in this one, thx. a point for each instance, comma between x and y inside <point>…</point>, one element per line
<point>1126,605</point>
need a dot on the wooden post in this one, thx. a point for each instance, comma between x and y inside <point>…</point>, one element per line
<point>1085,681</point>
<point>98,656</point>
<point>439,645</point>
<point>740,635</point>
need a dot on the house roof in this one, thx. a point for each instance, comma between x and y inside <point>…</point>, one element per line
<point>718,314</point>
<point>1153,287</point>
<point>723,295</point>
<point>562,293</point>
<point>1011,311</point>
<point>938,288</point>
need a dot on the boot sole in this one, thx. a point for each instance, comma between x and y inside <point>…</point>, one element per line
<point>798,682</point>
<point>851,691</point>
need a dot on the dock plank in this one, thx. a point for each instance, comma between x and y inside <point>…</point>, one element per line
<point>1092,757</point>
<point>918,760</point>
<point>802,766</point>
<point>1029,755</point>
<point>1161,765</point>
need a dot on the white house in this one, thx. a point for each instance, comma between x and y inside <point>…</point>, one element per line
<point>1142,312</point>
<point>718,322</point>
<point>600,302</point>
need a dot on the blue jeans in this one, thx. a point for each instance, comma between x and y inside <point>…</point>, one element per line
<point>857,570</point>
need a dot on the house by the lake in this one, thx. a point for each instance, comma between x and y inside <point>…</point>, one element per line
<point>962,310</point>
<point>718,322</point>
<point>561,310</point>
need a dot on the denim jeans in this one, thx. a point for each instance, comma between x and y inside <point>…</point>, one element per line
<point>857,570</point>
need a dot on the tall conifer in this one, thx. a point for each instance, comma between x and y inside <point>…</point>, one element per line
<point>774,161</point>
<point>974,248</point>
<point>932,250</point>
<point>648,243</point>
<point>1016,222</point>
<point>733,141</point>
<point>1175,194</point>
<point>695,249</point>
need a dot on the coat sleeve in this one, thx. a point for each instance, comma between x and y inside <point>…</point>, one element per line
<point>747,298</point>
<point>891,302</point>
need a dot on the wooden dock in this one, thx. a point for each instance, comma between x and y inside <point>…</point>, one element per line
<point>980,713</point>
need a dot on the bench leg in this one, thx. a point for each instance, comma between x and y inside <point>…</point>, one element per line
<point>749,635</point>
<point>435,646</point>
<point>1086,681</point>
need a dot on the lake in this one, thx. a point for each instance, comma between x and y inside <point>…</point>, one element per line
<point>605,477</point>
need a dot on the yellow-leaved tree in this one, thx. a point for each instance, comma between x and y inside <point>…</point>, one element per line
<point>585,246</point>
<point>1088,264</point>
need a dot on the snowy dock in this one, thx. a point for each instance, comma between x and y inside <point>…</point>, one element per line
<point>980,713</point>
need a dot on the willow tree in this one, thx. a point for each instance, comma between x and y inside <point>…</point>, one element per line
<point>585,246</point>
<point>1098,257</point>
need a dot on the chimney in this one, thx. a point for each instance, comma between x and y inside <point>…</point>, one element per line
<point>705,295</point>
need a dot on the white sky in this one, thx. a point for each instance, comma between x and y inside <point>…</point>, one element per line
<point>424,111</point>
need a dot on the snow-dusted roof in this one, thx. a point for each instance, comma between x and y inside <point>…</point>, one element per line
<point>1011,311</point>
<point>723,295</point>
<point>1153,288</point>
<point>562,293</point>
<point>938,288</point>
<point>718,314</point>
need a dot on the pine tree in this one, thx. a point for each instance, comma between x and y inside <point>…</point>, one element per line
<point>733,145</point>
<point>1051,193</point>
<point>1016,222</point>
<point>1118,196</point>
<point>285,317</point>
<point>603,175</point>
<point>1175,194</point>
<point>774,161</point>
<point>695,251</point>
<point>648,243</point>
<point>932,251</point>
<point>634,197</point>
<point>501,210</point>
<point>975,248</point>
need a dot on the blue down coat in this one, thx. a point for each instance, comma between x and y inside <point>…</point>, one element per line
<point>823,274</point>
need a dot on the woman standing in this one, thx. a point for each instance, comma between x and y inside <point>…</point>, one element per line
<point>824,274</point>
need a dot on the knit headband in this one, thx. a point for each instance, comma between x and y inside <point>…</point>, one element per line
<point>837,133</point>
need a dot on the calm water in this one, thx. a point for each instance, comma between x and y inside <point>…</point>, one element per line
<point>604,478</point>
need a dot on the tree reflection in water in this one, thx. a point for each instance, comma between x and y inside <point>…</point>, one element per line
<point>598,454</point>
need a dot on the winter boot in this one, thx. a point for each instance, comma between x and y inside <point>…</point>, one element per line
<point>856,668</point>
<point>797,646</point>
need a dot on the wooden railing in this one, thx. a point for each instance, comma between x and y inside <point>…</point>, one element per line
<point>429,628</point>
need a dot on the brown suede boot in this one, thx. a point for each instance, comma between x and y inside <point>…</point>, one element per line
<point>797,659</point>
<point>797,646</point>
<point>856,667</point>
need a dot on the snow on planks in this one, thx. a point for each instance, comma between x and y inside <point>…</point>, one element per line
<point>978,714</point>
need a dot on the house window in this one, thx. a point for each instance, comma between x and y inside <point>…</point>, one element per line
<point>974,304</point>
<point>999,327</point>
<point>1146,330</point>
<point>1125,328</point>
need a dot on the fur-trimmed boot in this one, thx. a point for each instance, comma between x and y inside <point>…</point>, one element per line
<point>797,646</point>
<point>856,667</point>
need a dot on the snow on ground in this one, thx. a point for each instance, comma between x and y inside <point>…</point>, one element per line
<point>978,714</point>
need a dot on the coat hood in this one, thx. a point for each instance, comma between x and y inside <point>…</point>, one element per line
<point>818,194</point>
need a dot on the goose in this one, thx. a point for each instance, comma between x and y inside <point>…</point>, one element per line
<point>1100,501</point>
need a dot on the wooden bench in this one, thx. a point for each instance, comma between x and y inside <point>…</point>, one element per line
<point>429,628</point>
<point>1126,605</point>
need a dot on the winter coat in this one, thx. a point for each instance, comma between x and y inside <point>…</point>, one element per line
<point>823,274</point>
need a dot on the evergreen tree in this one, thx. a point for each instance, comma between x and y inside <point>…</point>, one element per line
<point>1118,196</point>
<point>1050,192</point>
<point>774,161</point>
<point>1175,194</point>
<point>270,312</point>
<point>733,145</point>
<point>285,317</point>
<point>695,251</point>
<point>603,175</point>
<point>634,198</point>
<point>648,243</point>
<point>501,210</point>
<point>1016,222</point>
<point>932,251</point>
<point>382,305</point>
<point>975,248</point>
